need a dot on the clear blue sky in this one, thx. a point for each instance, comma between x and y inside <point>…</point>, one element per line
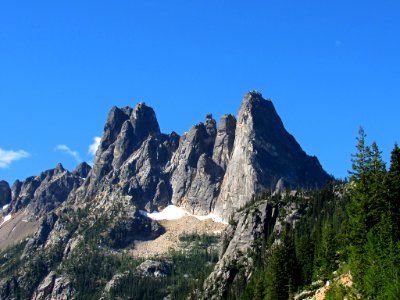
<point>328,66</point>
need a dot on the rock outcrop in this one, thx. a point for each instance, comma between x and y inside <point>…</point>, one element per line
<point>41,236</point>
<point>247,228</point>
<point>224,140</point>
<point>5,193</point>
<point>195,178</point>
<point>53,288</point>
<point>82,170</point>
<point>154,268</point>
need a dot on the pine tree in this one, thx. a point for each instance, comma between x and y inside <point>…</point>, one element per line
<point>326,252</point>
<point>358,208</point>
<point>283,270</point>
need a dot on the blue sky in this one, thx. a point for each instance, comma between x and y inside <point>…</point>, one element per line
<point>328,66</point>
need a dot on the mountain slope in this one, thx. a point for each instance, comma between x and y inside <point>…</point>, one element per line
<point>99,214</point>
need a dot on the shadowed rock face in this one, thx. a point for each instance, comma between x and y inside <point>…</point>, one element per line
<point>224,140</point>
<point>184,165</point>
<point>126,132</point>
<point>82,170</point>
<point>45,192</point>
<point>5,193</point>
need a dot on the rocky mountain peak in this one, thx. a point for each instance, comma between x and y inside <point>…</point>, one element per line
<point>116,117</point>
<point>264,153</point>
<point>207,169</point>
<point>144,121</point>
<point>59,168</point>
<point>211,125</point>
<point>45,192</point>
<point>82,170</point>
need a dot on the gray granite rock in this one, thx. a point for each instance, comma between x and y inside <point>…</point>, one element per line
<point>82,170</point>
<point>154,268</point>
<point>40,238</point>
<point>224,140</point>
<point>204,188</point>
<point>246,229</point>
<point>41,194</point>
<point>197,141</point>
<point>45,288</point>
<point>53,288</point>
<point>263,153</point>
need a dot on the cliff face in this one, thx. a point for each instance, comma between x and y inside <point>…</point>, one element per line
<point>265,157</point>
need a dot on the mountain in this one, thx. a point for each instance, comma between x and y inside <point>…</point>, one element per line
<point>38,195</point>
<point>95,216</point>
<point>207,169</point>
<point>264,158</point>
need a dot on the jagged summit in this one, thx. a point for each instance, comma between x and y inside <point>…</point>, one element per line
<point>40,194</point>
<point>207,169</point>
<point>264,153</point>
<point>82,170</point>
<point>59,168</point>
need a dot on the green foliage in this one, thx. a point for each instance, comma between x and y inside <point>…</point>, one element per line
<point>259,291</point>
<point>203,240</point>
<point>310,251</point>
<point>283,269</point>
<point>337,292</point>
<point>91,267</point>
<point>10,259</point>
<point>374,222</point>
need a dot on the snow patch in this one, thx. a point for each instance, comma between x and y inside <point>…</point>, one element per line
<point>172,212</point>
<point>6,219</point>
<point>5,206</point>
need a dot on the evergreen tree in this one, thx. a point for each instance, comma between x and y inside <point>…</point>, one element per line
<point>393,183</point>
<point>358,208</point>
<point>326,252</point>
<point>259,291</point>
<point>283,270</point>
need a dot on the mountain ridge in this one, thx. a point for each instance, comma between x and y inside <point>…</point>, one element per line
<point>137,169</point>
<point>207,169</point>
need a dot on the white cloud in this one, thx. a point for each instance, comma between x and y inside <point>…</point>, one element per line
<point>8,156</point>
<point>65,149</point>
<point>93,147</point>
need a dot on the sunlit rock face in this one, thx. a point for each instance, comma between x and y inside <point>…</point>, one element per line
<point>263,154</point>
